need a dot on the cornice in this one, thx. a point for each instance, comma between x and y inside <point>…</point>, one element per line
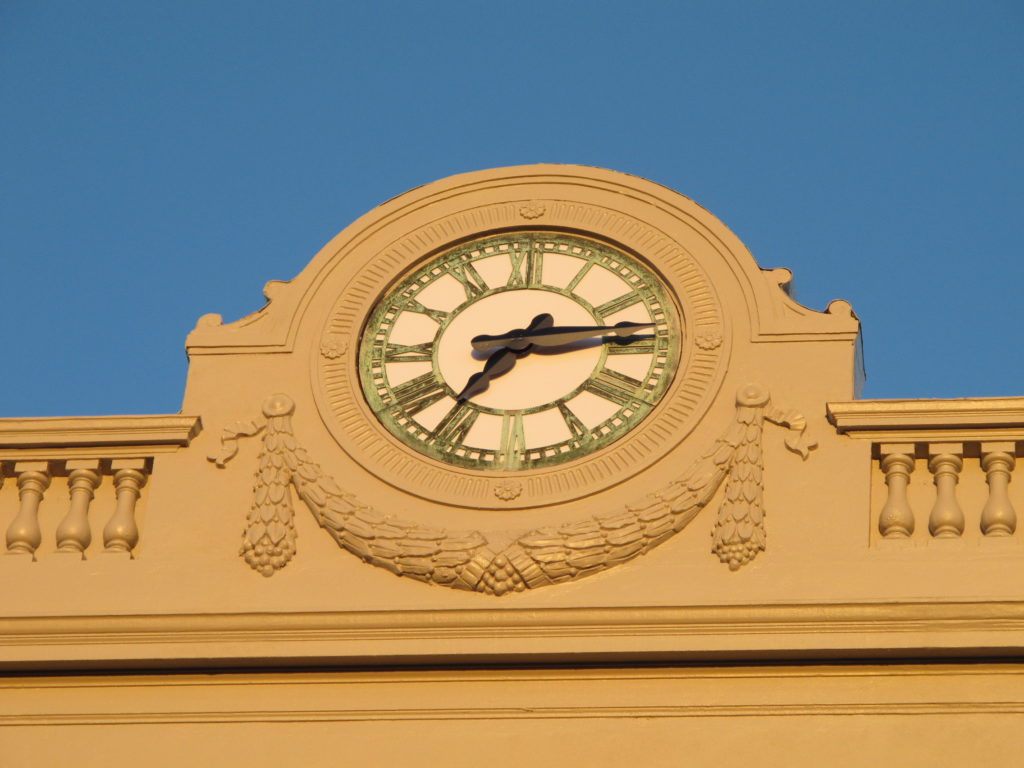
<point>98,431</point>
<point>740,632</point>
<point>859,417</point>
<point>546,693</point>
<point>475,714</point>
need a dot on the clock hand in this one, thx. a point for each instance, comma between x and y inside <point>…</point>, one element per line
<point>503,361</point>
<point>554,336</point>
<point>519,344</point>
<point>500,362</point>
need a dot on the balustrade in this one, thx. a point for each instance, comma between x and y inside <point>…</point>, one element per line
<point>947,519</point>
<point>968,449</point>
<point>73,535</point>
<point>104,462</point>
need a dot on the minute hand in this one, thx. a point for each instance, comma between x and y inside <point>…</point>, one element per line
<point>556,336</point>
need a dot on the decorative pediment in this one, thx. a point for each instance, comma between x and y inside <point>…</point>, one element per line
<point>623,208</point>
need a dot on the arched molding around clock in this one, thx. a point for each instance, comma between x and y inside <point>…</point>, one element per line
<point>538,189</point>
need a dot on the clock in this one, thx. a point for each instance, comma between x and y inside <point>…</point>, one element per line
<point>421,419</point>
<point>520,403</point>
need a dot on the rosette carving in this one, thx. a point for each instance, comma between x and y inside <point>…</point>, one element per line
<point>468,560</point>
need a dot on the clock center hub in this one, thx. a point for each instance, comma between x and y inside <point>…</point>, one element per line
<point>538,377</point>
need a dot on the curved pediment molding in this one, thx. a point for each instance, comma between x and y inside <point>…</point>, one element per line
<point>561,197</point>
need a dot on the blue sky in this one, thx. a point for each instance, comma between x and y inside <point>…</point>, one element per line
<point>159,161</point>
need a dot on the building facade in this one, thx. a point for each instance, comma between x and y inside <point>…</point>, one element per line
<point>528,465</point>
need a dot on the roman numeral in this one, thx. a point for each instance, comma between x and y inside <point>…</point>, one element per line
<point>513,441</point>
<point>579,431</point>
<point>579,276</point>
<point>619,304</point>
<point>438,316</point>
<point>416,394</point>
<point>614,386</point>
<point>453,428</point>
<point>404,353</point>
<point>643,345</point>
<point>527,269</point>
<point>472,282</point>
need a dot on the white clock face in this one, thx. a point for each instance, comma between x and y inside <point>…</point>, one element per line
<point>556,404</point>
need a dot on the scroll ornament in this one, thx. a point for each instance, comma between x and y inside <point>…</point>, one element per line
<point>468,560</point>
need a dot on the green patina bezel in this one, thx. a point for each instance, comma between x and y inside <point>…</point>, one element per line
<point>395,406</point>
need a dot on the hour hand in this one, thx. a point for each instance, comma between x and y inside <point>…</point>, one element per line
<point>498,363</point>
<point>502,361</point>
<point>554,336</point>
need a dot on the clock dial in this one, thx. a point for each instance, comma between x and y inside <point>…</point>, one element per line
<point>551,404</point>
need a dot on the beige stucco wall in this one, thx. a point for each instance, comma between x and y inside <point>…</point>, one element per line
<point>766,716</point>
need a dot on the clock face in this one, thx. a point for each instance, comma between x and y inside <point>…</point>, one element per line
<point>557,403</point>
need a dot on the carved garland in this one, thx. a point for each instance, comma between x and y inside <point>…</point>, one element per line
<point>537,558</point>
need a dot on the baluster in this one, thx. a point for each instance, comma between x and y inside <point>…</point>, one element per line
<point>998,517</point>
<point>23,534</point>
<point>73,534</point>
<point>121,534</point>
<point>947,519</point>
<point>896,520</point>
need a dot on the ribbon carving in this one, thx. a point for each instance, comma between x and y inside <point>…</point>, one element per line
<point>468,560</point>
